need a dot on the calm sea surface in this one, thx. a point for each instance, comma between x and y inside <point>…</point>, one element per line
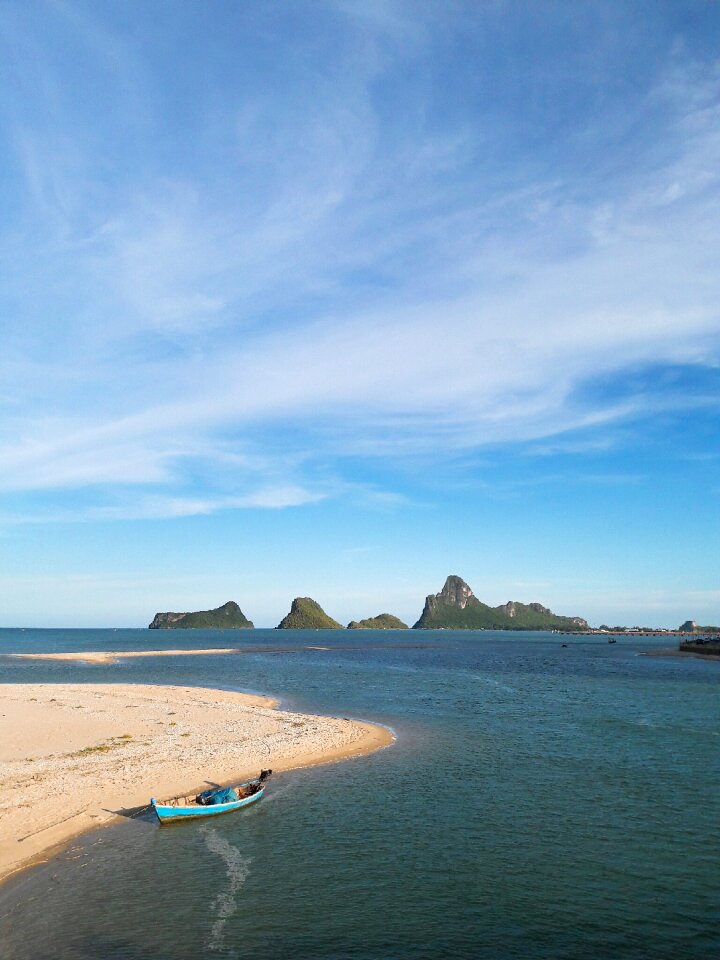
<point>540,802</point>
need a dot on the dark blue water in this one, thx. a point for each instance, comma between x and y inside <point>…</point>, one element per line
<point>540,802</point>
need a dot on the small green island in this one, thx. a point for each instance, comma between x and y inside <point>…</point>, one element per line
<point>383,621</point>
<point>307,614</point>
<point>227,617</point>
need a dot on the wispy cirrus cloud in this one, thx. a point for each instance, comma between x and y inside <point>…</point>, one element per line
<point>153,508</point>
<point>336,284</point>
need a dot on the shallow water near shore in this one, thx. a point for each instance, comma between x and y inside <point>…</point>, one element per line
<point>540,802</point>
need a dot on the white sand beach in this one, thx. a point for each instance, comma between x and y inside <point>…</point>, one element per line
<point>73,755</point>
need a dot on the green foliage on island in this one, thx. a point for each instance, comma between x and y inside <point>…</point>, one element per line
<point>383,621</point>
<point>454,608</point>
<point>307,614</point>
<point>534,616</point>
<point>227,617</point>
<point>457,608</point>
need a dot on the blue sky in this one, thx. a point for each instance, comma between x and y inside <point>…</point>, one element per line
<point>337,298</point>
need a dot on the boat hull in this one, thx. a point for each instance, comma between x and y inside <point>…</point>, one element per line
<point>167,813</point>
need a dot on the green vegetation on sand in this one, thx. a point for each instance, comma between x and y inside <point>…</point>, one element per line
<point>307,614</point>
<point>227,617</point>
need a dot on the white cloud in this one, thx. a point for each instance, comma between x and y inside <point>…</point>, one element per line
<point>180,317</point>
<point>158,507</point>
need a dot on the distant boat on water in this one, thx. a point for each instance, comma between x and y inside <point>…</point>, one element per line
<point>612,640</point>
<point>209,803</point>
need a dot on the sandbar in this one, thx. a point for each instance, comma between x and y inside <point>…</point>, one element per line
<point>76,756</point>
<point>113,656</point>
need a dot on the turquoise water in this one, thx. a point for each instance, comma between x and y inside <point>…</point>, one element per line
<point>540,802</point>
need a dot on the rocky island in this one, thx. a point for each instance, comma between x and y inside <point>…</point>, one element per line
<point>307,614</point>
<point>383,621</point>
<point>457,608</point>
<point>227,617</point>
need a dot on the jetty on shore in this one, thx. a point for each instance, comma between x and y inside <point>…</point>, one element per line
<point>707,645</point>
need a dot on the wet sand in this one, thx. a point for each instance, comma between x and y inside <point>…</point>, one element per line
<point>75,756</point>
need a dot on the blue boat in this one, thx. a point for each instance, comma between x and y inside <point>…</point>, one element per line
<point>210,803</point>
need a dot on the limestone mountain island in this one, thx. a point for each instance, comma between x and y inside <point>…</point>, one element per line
<point>454,608</point>
<point>227,617</point>
<point>307,614</point>
<point>457,608</point>
<point>383,621</point>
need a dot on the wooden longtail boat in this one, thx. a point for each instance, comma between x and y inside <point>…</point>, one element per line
<point>211,802</point>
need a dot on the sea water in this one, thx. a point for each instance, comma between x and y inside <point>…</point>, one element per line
<point>541,801</point>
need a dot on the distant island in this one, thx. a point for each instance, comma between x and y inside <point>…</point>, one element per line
<point>457,608</point>
<point>227,617</point>
<point>383,621</point>
<point>307,614</point>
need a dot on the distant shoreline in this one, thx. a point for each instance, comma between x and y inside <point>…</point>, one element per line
<point>250,632</point>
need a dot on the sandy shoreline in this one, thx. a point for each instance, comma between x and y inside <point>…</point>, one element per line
<point>72,756</point>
